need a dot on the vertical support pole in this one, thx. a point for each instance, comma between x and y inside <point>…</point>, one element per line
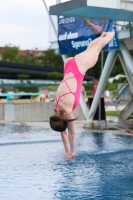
<point>103,79</point>
<point>64,57</point>
<point>127,71</point>
<point>50,17</point>
<point>102,58</point>
<point>99,117</point>
<point>126,56</point>
<point>84,106</point>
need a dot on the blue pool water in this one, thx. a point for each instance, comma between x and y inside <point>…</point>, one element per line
<point>32,165</point>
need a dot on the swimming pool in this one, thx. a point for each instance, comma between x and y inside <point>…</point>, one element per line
<point>32,165</point>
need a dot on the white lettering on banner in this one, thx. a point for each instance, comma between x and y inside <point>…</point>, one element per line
<point>63,37</point>
<point>72,35</point>
<point>79,44</point>
<point>111,44</point>
<point>66,20</point>
<point>68,36</point>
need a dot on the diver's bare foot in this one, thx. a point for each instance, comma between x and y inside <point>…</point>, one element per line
<point>111,34</point>
<point>104,34</point>
<point>108,34</point>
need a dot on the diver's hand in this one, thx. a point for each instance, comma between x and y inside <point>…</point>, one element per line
<point>68,156</point>
<point>73,155</point>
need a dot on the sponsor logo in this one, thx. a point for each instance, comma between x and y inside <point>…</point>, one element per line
<point>84,43</point>
<point>66,20</point>
<point>68,36</point>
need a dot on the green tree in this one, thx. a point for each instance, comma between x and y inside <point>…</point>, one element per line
<point>28,89</point>
<point>10,54</point>
<point>23,76</point>
<point>53,88</point>
<point>111,86</point>
<point>55,75</point>
<point>14,55</point>
<point>51,59</point>
<point>24,59</point>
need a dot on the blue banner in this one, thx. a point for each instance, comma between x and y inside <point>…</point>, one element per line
<point>74,34</point>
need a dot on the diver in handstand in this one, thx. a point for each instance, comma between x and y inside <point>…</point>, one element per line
<point>68,92</point>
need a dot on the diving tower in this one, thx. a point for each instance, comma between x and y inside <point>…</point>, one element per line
<point>120,11</point>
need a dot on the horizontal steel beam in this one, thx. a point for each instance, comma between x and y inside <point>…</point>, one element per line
<point>92,9</point>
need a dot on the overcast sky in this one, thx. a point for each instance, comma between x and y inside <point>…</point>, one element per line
<point>24,23</point>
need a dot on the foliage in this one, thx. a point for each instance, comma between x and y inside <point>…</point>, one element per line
<point>13,54</point>
<point>23,76</point>
<point>52,59</point>
<point>52,88</point>
<point>131,52</point>
<point>111,86</point>
<point>111,113</point>
<point>88,87</point>
<point>117,69</point>
<point>27,60</point>
<point>48,58</point>
<point>28,89</point>
<point>10,54</point>
<point>54,75</point>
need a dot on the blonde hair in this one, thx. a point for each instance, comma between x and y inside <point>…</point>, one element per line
<point>58,123</point>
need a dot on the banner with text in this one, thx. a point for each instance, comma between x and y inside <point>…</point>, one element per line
<point>74,34</point>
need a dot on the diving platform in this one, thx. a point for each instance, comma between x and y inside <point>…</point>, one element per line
<point>118,10</point>
<point>111,10</point>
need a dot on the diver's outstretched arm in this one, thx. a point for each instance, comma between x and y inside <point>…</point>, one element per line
<point>64,136</point>
<point>72,138</point>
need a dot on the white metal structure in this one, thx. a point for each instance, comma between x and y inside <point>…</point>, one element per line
<point>119,10</point>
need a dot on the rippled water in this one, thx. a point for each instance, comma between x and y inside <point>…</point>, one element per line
<point>32,165</point>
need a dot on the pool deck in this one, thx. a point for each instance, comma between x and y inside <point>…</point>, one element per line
<point>113,125</point>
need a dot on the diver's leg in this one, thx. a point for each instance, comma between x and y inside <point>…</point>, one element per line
<point>101,41</point>
<point>88,58</point>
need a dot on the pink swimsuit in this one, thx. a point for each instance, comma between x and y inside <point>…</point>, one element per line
<point>71,66</point>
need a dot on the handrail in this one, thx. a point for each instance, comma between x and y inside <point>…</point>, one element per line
<point>21,94</point>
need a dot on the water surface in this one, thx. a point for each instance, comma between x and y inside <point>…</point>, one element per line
<point>32,165</point>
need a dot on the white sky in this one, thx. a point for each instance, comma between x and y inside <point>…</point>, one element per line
<point>25,23</point>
